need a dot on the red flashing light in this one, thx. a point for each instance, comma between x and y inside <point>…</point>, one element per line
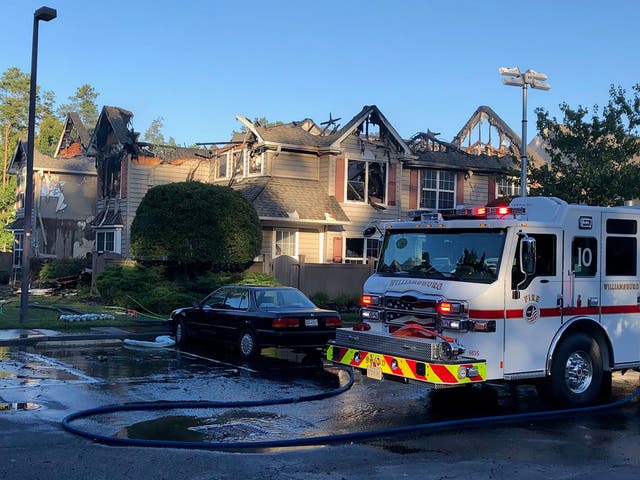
<point>366,300</point>
<point>480,211</point>
<point>503,211</point>
<point>445,308</point>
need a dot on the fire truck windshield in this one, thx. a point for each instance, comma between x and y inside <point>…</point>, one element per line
<point>469,255</point>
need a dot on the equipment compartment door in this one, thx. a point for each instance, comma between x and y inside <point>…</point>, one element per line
<point>620,290</point>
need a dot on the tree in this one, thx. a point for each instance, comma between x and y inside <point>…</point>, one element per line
<point>48,135</point>
<point>196,226</point>
<point>14,110</point>
<point>84,104</point>
<point>154,132</point>
<point>592,154</point>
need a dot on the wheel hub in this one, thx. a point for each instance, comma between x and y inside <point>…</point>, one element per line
<point>578,372</point>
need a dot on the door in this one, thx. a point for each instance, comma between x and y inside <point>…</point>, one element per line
<point>533,314</point>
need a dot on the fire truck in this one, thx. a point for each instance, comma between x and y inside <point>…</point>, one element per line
<point>540,291</point>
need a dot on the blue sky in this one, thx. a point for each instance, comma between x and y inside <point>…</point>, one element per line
<point>425,64</point>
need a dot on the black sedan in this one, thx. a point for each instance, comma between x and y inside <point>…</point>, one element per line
<point>256,317</point>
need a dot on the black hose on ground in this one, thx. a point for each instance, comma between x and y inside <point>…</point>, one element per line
<point>307,441</point>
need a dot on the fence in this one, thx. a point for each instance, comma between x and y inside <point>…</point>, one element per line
<point>330,278</point>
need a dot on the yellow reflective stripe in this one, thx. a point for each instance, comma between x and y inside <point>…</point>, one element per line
<point>437,373</point>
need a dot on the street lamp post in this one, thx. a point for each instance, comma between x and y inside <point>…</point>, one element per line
<point>536,80</point>
<point>45,14</point>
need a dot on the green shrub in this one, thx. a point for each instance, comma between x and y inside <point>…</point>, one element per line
<point>140,288</point>
<point>321,300</point>
<point>345,302</point>
<point>196,226</point>
<point>63,267</point>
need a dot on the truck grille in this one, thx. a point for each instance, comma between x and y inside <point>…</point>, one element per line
<point>423,309</point>
<point>414,348</point>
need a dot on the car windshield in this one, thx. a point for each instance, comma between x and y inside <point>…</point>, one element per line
<point>282,298</point>
<point>470,255</point>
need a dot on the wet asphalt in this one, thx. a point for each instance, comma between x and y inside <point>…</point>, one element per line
<point>41,382</point>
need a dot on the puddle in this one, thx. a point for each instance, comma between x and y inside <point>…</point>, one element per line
<point>4,407</point>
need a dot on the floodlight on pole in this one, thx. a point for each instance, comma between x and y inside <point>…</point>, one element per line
<point>536,80</point>
<point>44,14</point>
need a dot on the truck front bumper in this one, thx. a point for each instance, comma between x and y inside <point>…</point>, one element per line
<point>438,373</point>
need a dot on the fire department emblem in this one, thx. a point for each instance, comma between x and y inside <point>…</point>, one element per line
<point>531,312</point>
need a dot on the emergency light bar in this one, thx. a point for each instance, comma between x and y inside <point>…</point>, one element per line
<point>466,213</point>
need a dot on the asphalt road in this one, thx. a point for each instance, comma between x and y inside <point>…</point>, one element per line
<point>40,385</point>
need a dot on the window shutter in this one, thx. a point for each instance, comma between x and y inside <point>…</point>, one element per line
<point>337,250</point>
<point>491,193</point>
<point>413,189</point>
<point>339,182</point>
<point>459,189</point>
<point>391,199</point>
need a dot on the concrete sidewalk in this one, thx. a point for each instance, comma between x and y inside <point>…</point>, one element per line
<point>27,336</point>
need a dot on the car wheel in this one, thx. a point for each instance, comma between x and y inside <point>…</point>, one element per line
<point>180,332</point>
<point>577,373</point>
<point>248,344</point>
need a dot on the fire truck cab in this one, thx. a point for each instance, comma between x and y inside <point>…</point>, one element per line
<point>541,291</point>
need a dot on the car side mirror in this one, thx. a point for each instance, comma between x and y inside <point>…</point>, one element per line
<point>195,303</point>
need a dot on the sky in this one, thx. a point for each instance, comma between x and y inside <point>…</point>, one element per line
<point>425,64</point>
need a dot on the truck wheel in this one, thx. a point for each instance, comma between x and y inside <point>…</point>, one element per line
<point>576,372</point>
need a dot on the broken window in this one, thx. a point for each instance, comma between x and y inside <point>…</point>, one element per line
<point>255,164</point>
<point>438,189</point>
<point>222,166</point>
<point>238,164</point>
<point>111,178</point>
<point>367,181</point>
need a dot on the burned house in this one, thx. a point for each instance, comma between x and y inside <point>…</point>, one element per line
<point>64,197</point>
<point>126,170</point>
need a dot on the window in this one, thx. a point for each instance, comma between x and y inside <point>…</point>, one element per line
<point>584,256</point>
<point>238,164</point>
<point>507,187</point>
<point>285,243</point>
<point>237,300</point>
<point>17,249</point>
<point>108,241</point>
<point>255,164</point>
<point>367,181</point>
<point>222,166</point>
<point>546,260</point>
<point>621,256</point>
<point>438,189</point>
<point>358,250</point>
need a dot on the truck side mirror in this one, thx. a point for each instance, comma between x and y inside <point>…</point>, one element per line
<point>528,255</point>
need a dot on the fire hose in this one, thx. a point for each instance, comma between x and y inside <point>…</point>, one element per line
<point>424,428</point>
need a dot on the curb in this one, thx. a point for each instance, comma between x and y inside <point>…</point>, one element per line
<point>80,339</point>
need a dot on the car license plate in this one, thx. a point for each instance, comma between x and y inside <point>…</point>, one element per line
<point>375,372</point>
<point>311,322</point>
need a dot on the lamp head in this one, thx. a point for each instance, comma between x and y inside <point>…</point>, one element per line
<point>45,14</point>
<point>509,72</point>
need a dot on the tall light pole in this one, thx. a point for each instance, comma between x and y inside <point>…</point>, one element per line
<point>536,80</point>
<point>45,14</point>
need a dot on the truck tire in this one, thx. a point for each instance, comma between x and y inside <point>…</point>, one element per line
<point>577,373</point>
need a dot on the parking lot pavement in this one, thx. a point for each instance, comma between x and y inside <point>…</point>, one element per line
<point>58,379</point>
